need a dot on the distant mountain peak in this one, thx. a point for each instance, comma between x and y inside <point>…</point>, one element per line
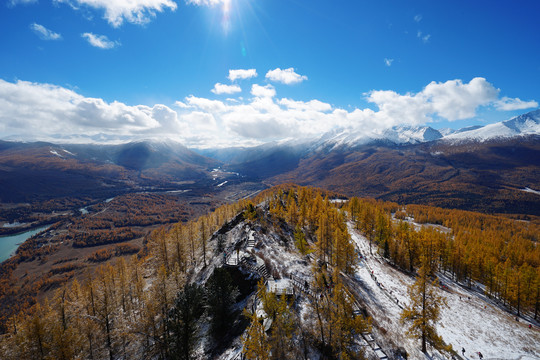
<point>411,134</point>
<point>522,125</point>
<point>396,135</point>
<point>525,123</point>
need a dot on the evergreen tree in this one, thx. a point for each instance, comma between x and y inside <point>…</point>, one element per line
<point>282,331</point>
<point>423,310</point>
<point>369,226</point>
<point>182,321</point>
<point>250,212</point>
<point>323,237</point>
<point>344,327</point>
<point>203,231</point>
<point>382,232</point>
<point>221,295</point>
<point>300,240</point>
<point>255,342</point>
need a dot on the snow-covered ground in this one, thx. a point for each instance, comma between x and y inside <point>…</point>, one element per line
<point>418,226</point>
<point>468,321</point>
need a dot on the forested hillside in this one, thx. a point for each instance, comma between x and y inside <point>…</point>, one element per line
<point>489,177</point>
<point>209,288</point>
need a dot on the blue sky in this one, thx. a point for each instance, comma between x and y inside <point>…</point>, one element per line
<point>82,70</point>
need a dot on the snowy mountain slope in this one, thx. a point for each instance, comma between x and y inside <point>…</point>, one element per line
<point>412,134</point>
<point>398,135</point>
<point>448,131</point>
<point>526,124</point>
<point>470,320</point>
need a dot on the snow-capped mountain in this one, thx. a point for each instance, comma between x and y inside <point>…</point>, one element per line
<point>448,131</point>
<point>526,124</point>
<point>411,134</point>
<point>397,135</point>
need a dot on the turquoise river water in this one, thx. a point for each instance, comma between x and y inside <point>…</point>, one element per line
<point>10,243</point>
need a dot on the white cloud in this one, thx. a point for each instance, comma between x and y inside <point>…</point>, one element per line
<point>35,111</point>
<point>312,105</point>
<point>455,100</point>
<point>257,126</point>
<point>452,100</point>
<point>181,104</point>
<point>118,11</point>
<point>285,76</point>
<point>509,104</point>
<point>395,108</point>
<point>214,106</point>
<point>100,41</point>
<point>225,89</point>
<point>242,74</point>
<point>388,62</point>
<point>166,119</point>
<point>42,111</point>
<point>24,2</point>
<point>44,33</point>
<point>263,91</point>
<point>424,37</point>
<point>418,18</point>
<point>199,119</point>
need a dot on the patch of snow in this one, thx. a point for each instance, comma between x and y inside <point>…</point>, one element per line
<point>338,201</point>
<point>411,134</point>
<point>13,225</point>
<point>54,152</point>
<point>418,226</point>
<point>531,191</point>
<point>447,131</point>
<point>279,286</point>
<point>178,191</point>
<point>68,152</point>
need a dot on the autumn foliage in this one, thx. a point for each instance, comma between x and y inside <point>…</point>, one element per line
<point>124,307</point>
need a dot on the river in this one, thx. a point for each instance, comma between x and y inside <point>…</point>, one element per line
<point>10,243</point>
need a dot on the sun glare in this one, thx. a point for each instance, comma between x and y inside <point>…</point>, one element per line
<point>226,19</point>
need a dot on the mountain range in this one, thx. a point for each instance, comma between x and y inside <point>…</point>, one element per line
<point>42,171</point>
<point>483,168</point>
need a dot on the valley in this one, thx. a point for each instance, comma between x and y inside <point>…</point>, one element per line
<point>104,206</point>
<point>77,239</point>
